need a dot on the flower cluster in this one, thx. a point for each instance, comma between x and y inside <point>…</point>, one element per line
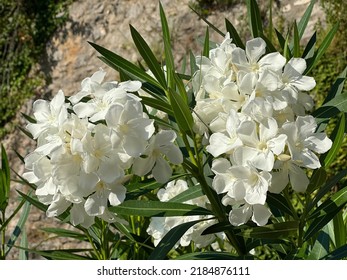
<point>252,108</point>
<point>86,145</point>
<point>160,226</point>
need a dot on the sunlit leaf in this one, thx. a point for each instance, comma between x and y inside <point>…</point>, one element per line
<point>158,209</point>
<point>148,56</point>
<point>234,35</point>
<point>278,230</point>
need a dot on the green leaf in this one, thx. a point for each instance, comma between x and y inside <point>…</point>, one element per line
<point>5,180</point>
<point>321,246</point>
<point>220,227</point>
<point>254,18</point>
<point>339,230</point>
<point>180,87</point>
<point>336,201</point>
<point>208,23</point>
<point>116,62</point>
<point>331,108</point>
<point>273,231</point>
<point>191,193</point>
<point>320,222</point>
<point>337,87</point>
<point>148,56</point>
<point>158,209</point>
<point>192,62</point>
<point>170,240</point>
<point>305,19</point>
<point>326,188</point>
<point>310,47</point>
<point>279,202</point>
<point>323,47</point>
<point>234,35</point>
<point>296,48</point>
<point>281,39</point>
<point>170,65</point>
<point>19,227</point>
<point>183,116</point>
<point>210,256</point>
<point>66,233</point>
<point>157,104</point>
<point>206,49</point>
<point>336,137</point>
<point>337,254</point>
<point>317,179</point>
<point>23,253</point>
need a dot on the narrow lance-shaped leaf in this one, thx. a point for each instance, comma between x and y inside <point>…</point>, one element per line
<point>208,23</point>
<point>337,200</point>
<point>158,209</point>
<point>340,233</point>
<point>337,254</point>
<point>206,49</point>
<point>115,61</point>
<point>234,35</point>
<point>321,246</point>
<point>318,223</point>
<point>305,19</point>
<point>190,193</point>
<point>323,47</point>
<point>326,188</point>
<point>310,47</point>
<point>332,108</point>
<point>317,179</point>
<point>279,202</point>
<point>296,48</point>
<point>301,26</point>
<point>167,41</point>
<point>254,18</point>
<point>170,240</point>
<point>148,56</point>
<point>279,230</point>
<point>183,116</point>
<point>19,227</point>
<point>336,137</point>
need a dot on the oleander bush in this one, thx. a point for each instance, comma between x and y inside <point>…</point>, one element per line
<point>225,159</point>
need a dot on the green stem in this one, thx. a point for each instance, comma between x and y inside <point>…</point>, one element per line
<point>104,241</point>
<point>219,211</point>
<point>3,238</point>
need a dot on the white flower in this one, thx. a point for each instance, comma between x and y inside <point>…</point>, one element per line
<point>221,143</point>
<point>131,127</point>
<point>262,142</point>
<point>252,60</point>
<point>159,145</point>
<point>288,171</point>
<point>293,80</point>
<point>240,215</point>
<point>48,115</point>
<point>114,193</point>
<point>303,141</point>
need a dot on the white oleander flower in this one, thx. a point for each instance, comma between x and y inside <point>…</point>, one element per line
<point>160,226</point>
<point>303,142</point>
<point>253,58</point>
<point>288,171</point>
<point>152,160</point>
<point>258,213</point>
<point>225,143</point>
<point>262,141</point>
<point>48,115</point>
<point>131,127</point>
